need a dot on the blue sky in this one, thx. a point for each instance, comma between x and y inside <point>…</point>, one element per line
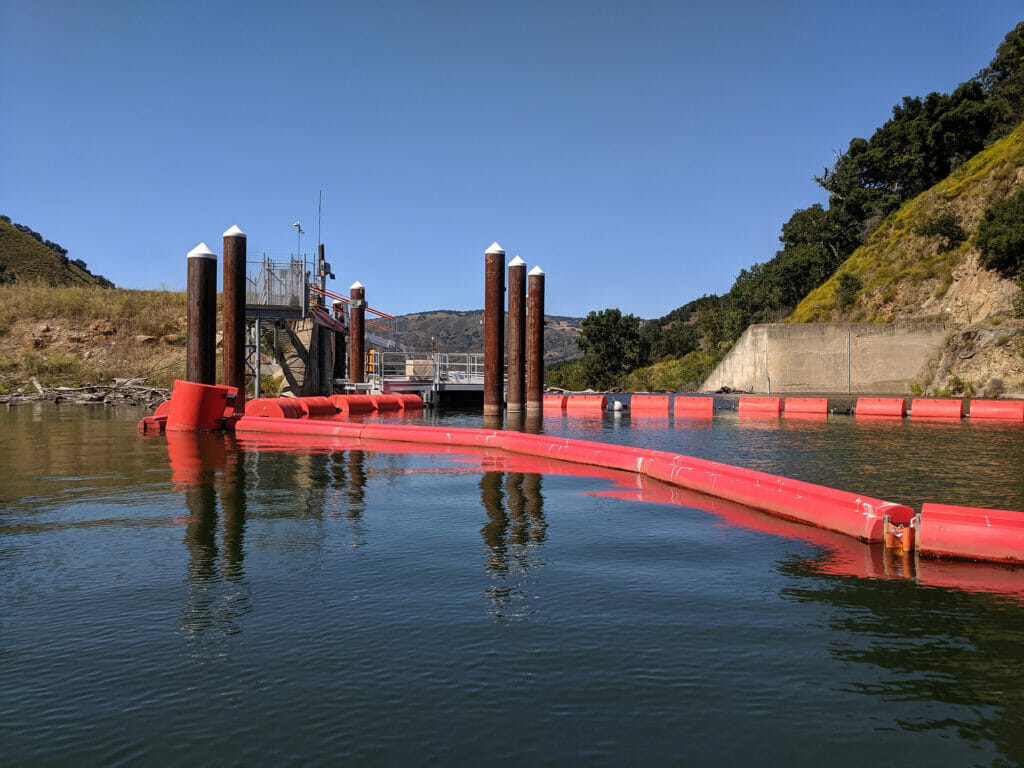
<point>641,153</point>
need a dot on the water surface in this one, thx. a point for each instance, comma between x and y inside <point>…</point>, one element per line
<point>213,600</point>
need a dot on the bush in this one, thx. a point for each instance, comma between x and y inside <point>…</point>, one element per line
<point>846,292</point>
<point>1000,236</point>
<point>946,227</point>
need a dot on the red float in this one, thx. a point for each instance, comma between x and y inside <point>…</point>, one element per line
<point>881,406</point>
<point>586,403</point>
<point>801,406</point>
<point>1008,410</point>
<point>971,533</point>
<point>693,407</point>
<point>352,403</point>
<point>931,408</point>
<point>760,406</point>
<point>274,408</point>
<point>199,407</point>
<point>649,405</point>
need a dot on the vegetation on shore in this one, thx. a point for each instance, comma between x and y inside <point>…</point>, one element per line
<point>77,335</point>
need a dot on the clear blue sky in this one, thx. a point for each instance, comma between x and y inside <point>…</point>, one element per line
<point>641,153</point>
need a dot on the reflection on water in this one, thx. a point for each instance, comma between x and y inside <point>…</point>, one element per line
<point>513,533</point>
<point>936,647</point>
<point>201,465</point>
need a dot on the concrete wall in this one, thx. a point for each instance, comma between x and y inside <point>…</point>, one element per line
<point>862,358</point>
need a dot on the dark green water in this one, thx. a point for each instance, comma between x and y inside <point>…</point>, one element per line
<point>246,603</point>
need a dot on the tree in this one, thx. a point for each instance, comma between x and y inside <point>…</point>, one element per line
<point>1000,236</point>
<point>612,346</point>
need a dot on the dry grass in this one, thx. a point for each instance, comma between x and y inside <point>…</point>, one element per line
<point>79,335</point>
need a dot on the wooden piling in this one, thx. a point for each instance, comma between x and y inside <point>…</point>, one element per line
<point>494,329</point>
<point>535,340</point>
<point>201,316</point>
<point>233,352</point>
<point>356,333</point>
<point>516,335</point>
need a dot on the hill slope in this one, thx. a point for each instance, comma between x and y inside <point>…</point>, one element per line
<point>454,331</point>
<point>906,275</point>
<point>25,259</point>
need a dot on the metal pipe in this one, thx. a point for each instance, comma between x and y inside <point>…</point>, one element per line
<point>535,340</point>
<point>233,353</point>
<point>356,332</point>
<point>494,327</point>
<point>516,335</point>
<point>201,316</point>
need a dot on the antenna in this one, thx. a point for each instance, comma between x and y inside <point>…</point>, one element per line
<point>319,204</point>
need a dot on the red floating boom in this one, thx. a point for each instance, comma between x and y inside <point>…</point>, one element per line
<point>881,406</point>
<point>930,408</point>
<point>1010,410</point>
<point>971,533</point>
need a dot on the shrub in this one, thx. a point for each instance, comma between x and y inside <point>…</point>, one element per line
<point>1000,236</point>
<point>946,227</point>
<point>846,292</point>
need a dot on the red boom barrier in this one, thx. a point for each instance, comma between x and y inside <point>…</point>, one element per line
<point>586,403</point>
<point>1010,410</point>
<point>274,408</point>
<point>881,406</point>
<point>806,405</point>
<point>352,403</point>
<point>969,532</point>
<point>693,407</point>
<point>760,406</point>
<point>929,408</point>
<point>649,405</point>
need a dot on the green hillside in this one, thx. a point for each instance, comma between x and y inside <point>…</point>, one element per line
<point>910,263</point>
<point>25,259</point>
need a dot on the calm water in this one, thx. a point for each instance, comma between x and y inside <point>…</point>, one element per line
<point>254,602</point>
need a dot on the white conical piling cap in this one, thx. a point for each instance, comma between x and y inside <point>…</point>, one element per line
<point>355,285</point>
<point>495,248</point>
<point>202,251</point>
<point>537,271</point>
<point>234,232</point>
<point>517,262</point>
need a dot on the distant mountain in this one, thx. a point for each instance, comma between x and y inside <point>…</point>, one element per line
<point>452,331</point>
<point>26,257</point>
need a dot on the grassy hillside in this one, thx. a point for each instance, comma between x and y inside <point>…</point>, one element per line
<point>905,274</point>
<point>73,335</point>
<point>25,259</point>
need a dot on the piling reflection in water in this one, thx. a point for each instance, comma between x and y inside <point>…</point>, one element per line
<point>516,527</point>
<point>202,464</point>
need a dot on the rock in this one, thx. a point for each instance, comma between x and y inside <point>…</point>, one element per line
<point>143,339</point>
<point>102,328</point>
<point>43,328</point>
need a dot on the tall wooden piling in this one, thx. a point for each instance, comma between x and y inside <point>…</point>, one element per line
<point>516,335</point>
<point>339,346</point>
<point>201,316</point>
<point>233,352</point>
<point>356,333</point>
<point>535,340</point>
<point>494,329</point>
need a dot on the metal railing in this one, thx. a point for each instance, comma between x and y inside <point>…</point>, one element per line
<point>277,284</point>
<point>438,367</point>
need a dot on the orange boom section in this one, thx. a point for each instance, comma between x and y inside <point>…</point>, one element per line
<point>649,405</point>
<point>930,408</point>
<point>881,406</point>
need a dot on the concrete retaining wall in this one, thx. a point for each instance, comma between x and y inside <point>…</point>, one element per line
<point>851,358</point>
